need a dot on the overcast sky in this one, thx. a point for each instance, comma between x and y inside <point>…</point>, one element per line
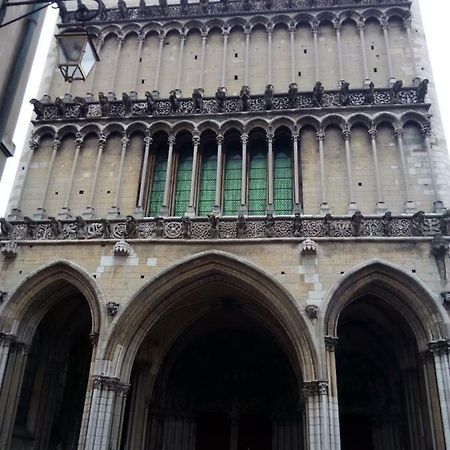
<point>435,15</point>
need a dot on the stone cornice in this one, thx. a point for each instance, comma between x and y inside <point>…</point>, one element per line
<point>225,8</point>
<point>228,228</point>
<point>47,111</point>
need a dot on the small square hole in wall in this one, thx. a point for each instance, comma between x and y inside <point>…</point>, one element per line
<point>108,192</point>
<point>372,47</point>
<point>80,192</point>
<point>378,56</point>
<point>236,77</point>
<point>305,51</point>
<point>142,81</point>
<point>195,56</point>
<point>299,74</point>
<point>359,184</point>
<point>56,193</point>
<point>23,168</point>
<point>142,276</point>
<point>236,55</point>
<point>140,59</point>
<point>375,70</point>
<point>94,275</point>
<point>413,271</point>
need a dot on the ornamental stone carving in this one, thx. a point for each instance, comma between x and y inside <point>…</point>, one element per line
<point>312,311</point>
<point>122,248</point>
<point>112,308</point>
<point>9,249</point>
<point>308,247</point>
<point>3,296</point>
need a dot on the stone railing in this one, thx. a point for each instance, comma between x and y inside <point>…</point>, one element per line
<point>87,108</point>
<point>222,228</point>
<point>213,9</point>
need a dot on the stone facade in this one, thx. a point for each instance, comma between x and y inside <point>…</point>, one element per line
<point>263,266</point>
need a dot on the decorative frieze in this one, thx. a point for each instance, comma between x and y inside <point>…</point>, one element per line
<point>314,388</point>
<point>105,383</point>
<point>213,9</point>
<point>128,107</point>
<point>242,227</point>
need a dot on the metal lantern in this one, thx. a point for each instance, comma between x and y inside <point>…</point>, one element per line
<point>77,55</point>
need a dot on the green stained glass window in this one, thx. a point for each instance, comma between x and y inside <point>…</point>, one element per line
<point>282,196</point>
<point>183,184</point>
<point>208,174</point>
<point>158,183</point>
<point>257,183</point>
<point>232,183</point>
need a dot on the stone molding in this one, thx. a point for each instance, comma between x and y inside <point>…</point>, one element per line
<point>314,388</point>
<point>439,347</point>
<point>214,9</point>
<point>230,227</point>
<point>91,110</point>
<point>105,383</point>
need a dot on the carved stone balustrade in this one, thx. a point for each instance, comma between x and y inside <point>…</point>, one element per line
<point>233,104</point>
<point>288,227</point>
<point>222,8</point>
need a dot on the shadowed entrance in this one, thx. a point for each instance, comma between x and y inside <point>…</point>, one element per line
<point>225,384</point>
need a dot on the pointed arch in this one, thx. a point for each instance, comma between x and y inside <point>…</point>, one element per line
<point>389,282</point>
<point>33,298</point>
<point>161,295</point>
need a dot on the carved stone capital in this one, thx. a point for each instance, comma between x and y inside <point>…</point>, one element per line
<point>196,139</point>
<point>373,133</point>
<point>148,140</point>
<point>426,130</point>
<point>79,139</point>
<point>219,139</point>
<point>141,38</point>
<point>337,24</point>
<point>384,23</point>
<point>407,22</point>
<point>3,295</point>
<point>440,347</point>
<point>9,249</point>
<point>247,32</point>
<point>269,137</point>
<point>56,143</point>
<point>320,135</point>
<point>6,340</point>
<point>399,133</point>
<point>104,383</point>
<point>171,140</point>
<point>101,140</point>
<point>315,28</point>
<point>308,246</point>
<point>122,248</point>
<point>93,337</point>
<point>347,133</point>
<point>244,138</point>
<point>331,343</point>
<point>314,388</point>
<point>33,144</point>
<point>446,298</point>
<point>120,40</point>
<point>295,135</point>
<point>125,141</point>
<point>361,24</point>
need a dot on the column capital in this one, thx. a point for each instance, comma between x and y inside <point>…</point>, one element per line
<point>315,28</point>
<point>33,144</point>
<point>407,22</point>
<point>361,24</point>
<point>102,140</point>
<point>314,388</point>
<point>56,143</point>
<point>399,133</point>
<point>148,140</point>
<point>426,129</point>
<point>79,139</point>
<point>292,27</point>
<point>105,383</point>
<point>269,137</point>
<point>384,23</point>
<point>373,133</point>
<point>171,140</point>
<point>320,135</point>
<point>347,133</point>
<point>439,347</point>
<point>196,139</point>
<point>331,342</point>
<point>247,31</point>
<point>204,33</point>
<point>125,140</point>
<point>226,32</point>
<point>7,340</point>
<point>295,135</point>
<point>100,40</point>
<point>337,24</point>
<point>244,138</point>
<point>269,28</point>
<point>120,39</point>
<point>141,38</point>
<point>219,139</point>
<point>93,337</point>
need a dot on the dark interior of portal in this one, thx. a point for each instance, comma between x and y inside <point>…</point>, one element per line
<point>382,402</point>
<point>225,384</point>
<point>54,385</point>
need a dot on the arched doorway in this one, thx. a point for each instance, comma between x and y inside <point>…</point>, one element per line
<point>225,383</point>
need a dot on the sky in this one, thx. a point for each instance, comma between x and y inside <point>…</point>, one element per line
<point>435,15</point>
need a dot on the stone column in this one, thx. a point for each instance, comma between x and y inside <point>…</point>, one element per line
<point>217,206</point>
<point>297,207</point>
<point>226,35</point>
<point>194,175</point>
<point>40,213</point>
<point>106,413</point>
<point>438,203</point>
<point>13,359</point>
<point>333,404</point>
<point>65,210</point>
<point>362,38</point>
<point>139,211</point>
<point>158,63</point>
<point>315,31</point>
<point>409,204</point>
<point>324,208</point>
<point>247,32</point>
<point>204,35</point>
<point>114,212</point>
<point>440,350</point>
<point>317,415</point>
<point>347,134</point>
<point>180,58</point>
<point>385,28</point>
<point>292,29</point>
<point>16,213</point>
<point>269,52</point>
<point>337,26</point>
<point>90,211</point>
<point>120,41</point>
<point>244,206</point>
<point>165,209</point>
<point>141,40</point>
<point>407,22</point>
<point>270,208</point>
<point>100,41</point>
<point>381,208</point>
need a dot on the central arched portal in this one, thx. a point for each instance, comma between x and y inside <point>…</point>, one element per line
<point>225,383</point>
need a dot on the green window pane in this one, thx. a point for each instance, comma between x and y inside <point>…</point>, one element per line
<point>257,183</point>
<point>282,195</point>
<point>232,183</point>
<point>183,184</point>
<point>207,194</point>
<point>158,184</point>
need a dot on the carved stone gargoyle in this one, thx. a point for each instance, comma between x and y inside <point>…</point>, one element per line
<point>318,93</point>
<point>150,104</point>
<point>197,99</point>
<point>5,227</point>
<point>174,101</point>
<point>186,227</point>
<point>159,227</point>
<point>422,91</point>
<point>369,96</point>
<point>123,9</point>
<point>292,95</point>
<point>439,249</point>
<point>241,226</point>
<point>395,91</point>
<point>127,103</point>
<point>38,108</point>
<point>221,95</point>
<point>163,6</point>
<point>268,97</point>
<point>82,107</point>
<point>344,93</point>
<point>60,107</point>
<point>269,225</point>
<point>9,249</point>
<point>112,308</point>
<point>104,104</point>
<point>312,311</point>
<point>204,5</point>
<point>183,6</point>
<point>245,97</point>
<point>357,223</point>
<point>214,226</point>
